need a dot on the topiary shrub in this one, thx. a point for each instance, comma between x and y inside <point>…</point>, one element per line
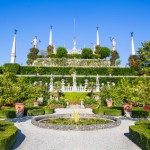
<point>113,112</point>
<point>140,114</point>
<point>140,134</point>
<point>8,134</point>
<point>9,67</point>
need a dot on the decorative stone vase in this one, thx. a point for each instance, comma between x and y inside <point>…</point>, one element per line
<point>19,109</point>
<point>36,104</point>
<point>109,103</point>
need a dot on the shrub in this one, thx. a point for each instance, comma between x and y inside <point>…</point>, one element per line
<point>8,134</point>
<point>49,110</point>
<point>9,67</point>
<point>113,112</point>
<point>36,112</point>
<point>140,134</point>
<point>89,101</point>
<point>26,109</point>
<point>60,102</point>
<point>142,122</point>
<point>140,114</point>
<point>7,114</point>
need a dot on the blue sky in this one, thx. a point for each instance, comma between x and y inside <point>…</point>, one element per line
<point>116,18</point>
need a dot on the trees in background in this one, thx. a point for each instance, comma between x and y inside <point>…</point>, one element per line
<point>61,52</point>
<point>87,53</point>
<point>114,55</point>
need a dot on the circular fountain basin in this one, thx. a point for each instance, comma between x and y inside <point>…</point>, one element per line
<point>37,121</point>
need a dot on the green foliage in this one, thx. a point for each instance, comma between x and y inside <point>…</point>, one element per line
<point>30,70</point>
<point>87,53</point>
<point>140,114</point>
<point>49,110</point>
<point>8,134</point>
<point>33,54</point>
<point>78,56</point>
<point>50,50</point>
<point>140,134</point>
<point>90,101</point>
<point>75,96</point>
<point>104,52</point>
<point>13,68</point>
<point>35,112</point>
<point>111,111</point>
<point>61,52</point>
<point>60,102</point>
<point>144,54</point>
<point>1,69</point>
<point>135,62</point>
<point>91,86</point>
<point>142,122</point>
<point>7,113</point>
<point>114,55</point>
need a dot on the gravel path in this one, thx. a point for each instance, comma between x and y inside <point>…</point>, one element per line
<point>31,137</point>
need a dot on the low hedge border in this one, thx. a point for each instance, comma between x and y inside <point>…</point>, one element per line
<point>8,134</point>
<point>140,114</point>
<point>7,113</point>
<point>140,134</point>
<point>111,111</point>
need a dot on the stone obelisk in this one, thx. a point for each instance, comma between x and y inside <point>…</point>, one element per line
<point>13,52</point>
<point>132,44</point>
<point>97,36</point>
<point>50,36</point>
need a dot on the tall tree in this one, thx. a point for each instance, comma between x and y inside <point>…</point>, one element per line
<point>103,52</point>
<point>91,86</point>
<point>114,55</point>
<point>144,54</point>
<point>33,54</point>
<point>57,87</point>
<point>50,49</point>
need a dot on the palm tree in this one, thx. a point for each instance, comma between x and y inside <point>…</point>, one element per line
<point>91,86</point>
<point>57,87</point>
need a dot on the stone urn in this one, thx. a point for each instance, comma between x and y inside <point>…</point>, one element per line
<point>36,104</point>
<point>19,109</point>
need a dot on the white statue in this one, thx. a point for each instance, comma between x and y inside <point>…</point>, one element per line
<point>35,42</point>
<point>74,77</point>
<point>97,79</point>
<point>113,42</point>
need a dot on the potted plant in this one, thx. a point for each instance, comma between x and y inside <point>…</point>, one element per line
<point>109,102</point>
<point>36,103</point>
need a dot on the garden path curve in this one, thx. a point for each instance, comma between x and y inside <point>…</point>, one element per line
<point>34,138</point>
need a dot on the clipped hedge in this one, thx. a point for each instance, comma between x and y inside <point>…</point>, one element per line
<point>140,114</point>
<point>7,114</point>
<point>35,112</point>
<point>140,134</point>
<point>49,110</point>
<point>30,70</point>
<point>8,135</point>
<point>9,67</point>
<point>110,111</point>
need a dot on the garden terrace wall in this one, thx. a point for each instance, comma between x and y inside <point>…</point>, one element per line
<point>80,80</point>
<point>31,70</point>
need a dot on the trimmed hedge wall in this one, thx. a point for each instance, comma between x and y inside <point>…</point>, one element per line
<point>9,67</point>
<point>35,112</point>
<point>7,112</point>
<point>8,135</point>
<point>140,134</point>
<point>140,114</point>
<point>30,70</point>
<point>110,111</point>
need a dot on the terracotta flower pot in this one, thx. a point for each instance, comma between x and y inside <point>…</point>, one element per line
<point>36,104</point>
<point>127,107</point>
<point>109,103</point>
<point>19,109</point>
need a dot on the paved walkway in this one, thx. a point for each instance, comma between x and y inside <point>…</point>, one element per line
<point>31,137</point>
